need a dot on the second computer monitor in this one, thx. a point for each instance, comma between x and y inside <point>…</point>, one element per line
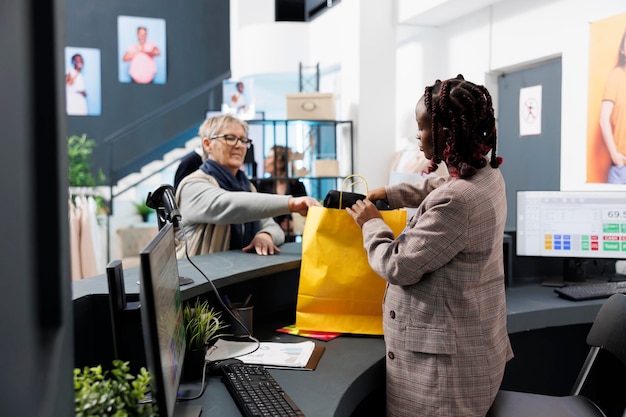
<point>162,321</point>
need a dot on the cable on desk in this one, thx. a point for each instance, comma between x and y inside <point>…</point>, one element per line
<point>202,386</point>
<point>219,297</point>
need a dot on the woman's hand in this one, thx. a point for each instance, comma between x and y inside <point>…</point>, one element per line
<point>379,193</point>
<point>301,205</point>
<point>362,211</point>
<point>262,244</point>
<point>618,159</point>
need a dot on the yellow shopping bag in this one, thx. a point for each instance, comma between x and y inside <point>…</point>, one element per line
<point>338,290</point>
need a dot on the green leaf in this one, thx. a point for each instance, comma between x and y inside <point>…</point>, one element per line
<point>112,393</point>
<point>202,324</point>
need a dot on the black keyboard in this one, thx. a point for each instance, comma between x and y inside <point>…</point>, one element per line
<point>580,292</point>
<point>257,393</point>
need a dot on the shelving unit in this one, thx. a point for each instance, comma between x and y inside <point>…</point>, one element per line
<point>314,144</point>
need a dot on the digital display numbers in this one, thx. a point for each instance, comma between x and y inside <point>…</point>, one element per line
<point>613,214</point>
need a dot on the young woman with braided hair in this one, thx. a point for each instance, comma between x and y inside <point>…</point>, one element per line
<point>444,311</point>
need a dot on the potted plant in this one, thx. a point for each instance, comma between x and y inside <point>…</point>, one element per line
<point>117,392</point>
<point>202,327</point>
<point>80,152</point>
<point>143,210</point>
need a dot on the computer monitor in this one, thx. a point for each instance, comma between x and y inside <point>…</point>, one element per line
<point>162,322</point>
<point>573,225</point>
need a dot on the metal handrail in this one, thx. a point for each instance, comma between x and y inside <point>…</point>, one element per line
<point>125,131</point>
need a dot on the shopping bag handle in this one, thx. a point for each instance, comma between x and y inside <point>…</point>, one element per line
<point>361,180</point>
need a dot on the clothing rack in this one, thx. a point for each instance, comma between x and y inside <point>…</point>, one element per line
<point>81,201</point>
<point>88,192</point>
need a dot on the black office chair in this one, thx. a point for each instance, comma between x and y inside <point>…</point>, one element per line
<point>608,332</point>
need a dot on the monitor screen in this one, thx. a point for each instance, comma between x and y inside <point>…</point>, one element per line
<point>571,224</point>
<point>162,318</point>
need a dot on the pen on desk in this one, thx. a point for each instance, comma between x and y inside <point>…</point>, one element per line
<point>245,303</point>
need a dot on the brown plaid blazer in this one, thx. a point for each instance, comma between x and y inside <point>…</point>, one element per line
<point>444,312</point>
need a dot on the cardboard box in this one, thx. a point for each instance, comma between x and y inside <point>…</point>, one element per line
<point>310,106</point>
<point>325,168</point>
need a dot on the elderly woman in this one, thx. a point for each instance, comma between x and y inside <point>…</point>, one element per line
<point>220,208</point>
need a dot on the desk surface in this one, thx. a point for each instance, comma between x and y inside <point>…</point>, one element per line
<point>222,268</point>
<point>352,367</point>
<point>349,370</point>
<point>533,306</point>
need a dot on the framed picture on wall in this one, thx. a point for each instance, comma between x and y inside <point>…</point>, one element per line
<point>239,98</point>
<point>82,81</point>
<point>606,124</point>
<point>142,54</point>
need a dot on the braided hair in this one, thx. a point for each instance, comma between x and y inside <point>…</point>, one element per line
<point>466,111</point>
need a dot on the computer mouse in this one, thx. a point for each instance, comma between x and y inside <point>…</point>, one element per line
<point>215,368</point>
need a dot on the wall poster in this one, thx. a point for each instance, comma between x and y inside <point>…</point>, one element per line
<point>142,54</point>
<point>530,111</point>
<point>606,124</point>
<point>82,81</point>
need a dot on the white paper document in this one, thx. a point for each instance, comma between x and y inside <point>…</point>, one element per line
<point>294,355</point>
<point>290,355</point>
<point>226,349</point>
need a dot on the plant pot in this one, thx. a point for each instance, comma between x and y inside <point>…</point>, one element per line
<point>194,364</point>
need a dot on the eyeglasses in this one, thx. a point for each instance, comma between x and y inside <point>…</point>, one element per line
<point>232,140</point>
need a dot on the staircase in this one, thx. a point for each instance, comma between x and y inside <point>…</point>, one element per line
<point>135,188</point>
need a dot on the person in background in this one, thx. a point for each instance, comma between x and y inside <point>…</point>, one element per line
<point>189,163</point>
<point>75,94</point>
<point>275,164</point>
<point>142,68</point>
<point>411,160</point>
<point>613,117</point>
<point>220,207</point>
<point>444,310</point>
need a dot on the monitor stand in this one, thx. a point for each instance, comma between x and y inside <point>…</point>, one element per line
<point>573,274</point>
<point>184,281</point>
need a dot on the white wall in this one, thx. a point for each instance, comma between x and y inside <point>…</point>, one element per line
<point>355,37</point>
<point>379,66</point>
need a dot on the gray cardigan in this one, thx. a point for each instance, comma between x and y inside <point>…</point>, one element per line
<point>208,211</point>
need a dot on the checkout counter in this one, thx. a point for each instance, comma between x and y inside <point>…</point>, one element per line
<point>548,334</point>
